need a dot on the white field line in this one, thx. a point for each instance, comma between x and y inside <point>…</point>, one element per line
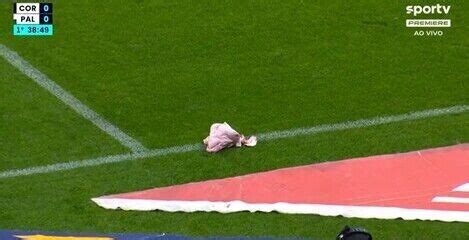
<point>98,161</point>
<point>365,122</point>
<point>45,82</point>
<point>262,137</point>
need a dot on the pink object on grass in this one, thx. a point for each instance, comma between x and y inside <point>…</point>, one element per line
<point>224,136</point>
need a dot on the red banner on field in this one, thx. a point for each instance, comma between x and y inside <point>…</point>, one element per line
<point>430,184</point>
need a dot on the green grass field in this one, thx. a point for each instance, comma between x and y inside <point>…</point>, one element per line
<point>163,71</point>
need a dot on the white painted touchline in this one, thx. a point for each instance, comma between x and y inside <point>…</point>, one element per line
<point>98,161</point>
<point>262,137</point>
<point>365,122</point>
<point>451,199</point>
<point>45,82</point>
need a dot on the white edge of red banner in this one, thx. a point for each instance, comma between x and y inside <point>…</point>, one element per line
<point>282,207</point>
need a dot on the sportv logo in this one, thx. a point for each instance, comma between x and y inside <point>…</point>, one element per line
<point>428,23</point>
<point>439,9</point>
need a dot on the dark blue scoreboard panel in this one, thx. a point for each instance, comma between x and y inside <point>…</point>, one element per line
<point>33,19</point>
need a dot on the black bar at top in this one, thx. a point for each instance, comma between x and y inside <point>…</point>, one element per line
<point>45,18</point>
<point>45,7</point>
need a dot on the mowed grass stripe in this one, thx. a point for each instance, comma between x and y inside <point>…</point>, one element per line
<point>262,137</point>
<point>45,82</point>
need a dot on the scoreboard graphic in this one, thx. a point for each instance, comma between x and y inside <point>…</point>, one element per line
<point>33,19</point>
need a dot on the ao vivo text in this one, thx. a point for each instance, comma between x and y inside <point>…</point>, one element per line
<point>428,33</point>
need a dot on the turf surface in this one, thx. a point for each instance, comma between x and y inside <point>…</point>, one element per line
<point>38,129</point>
<point>163,71</point>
